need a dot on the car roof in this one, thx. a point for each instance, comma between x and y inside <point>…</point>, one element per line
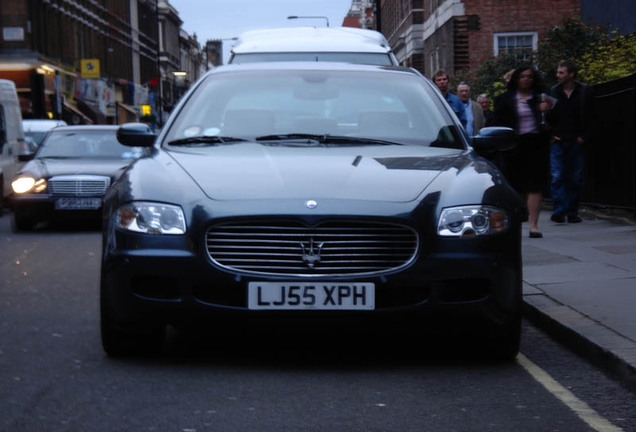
<point>41,125</point>
<point>78,128</point>
<point>311,39</point>
<point>308,66</point>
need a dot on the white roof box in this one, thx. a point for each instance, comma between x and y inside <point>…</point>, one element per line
<point>346,44</point>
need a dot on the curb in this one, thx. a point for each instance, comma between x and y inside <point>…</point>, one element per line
<point>602,346</point>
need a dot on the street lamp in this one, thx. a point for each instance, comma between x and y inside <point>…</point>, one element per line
<point>298,17</point>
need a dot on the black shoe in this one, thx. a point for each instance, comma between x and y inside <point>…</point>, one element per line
<point>535,234</point>
<point>558,218</point>
<point>574,219</point>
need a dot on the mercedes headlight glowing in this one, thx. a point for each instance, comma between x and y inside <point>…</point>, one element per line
<point>472,221</point>
<point>151,218</point>
<point>26,184</point>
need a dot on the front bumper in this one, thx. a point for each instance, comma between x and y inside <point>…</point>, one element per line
<point>176,284</point>
<point>42,207</point>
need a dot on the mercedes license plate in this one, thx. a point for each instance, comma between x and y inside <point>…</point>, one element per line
<point>315,295</point>
<point>78,203</point>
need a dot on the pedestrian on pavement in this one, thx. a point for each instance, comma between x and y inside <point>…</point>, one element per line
<point>441,80</point>
<point>474,114</point>
<point>484,102</point>
<point>571,123</point>
<point>527,165</point>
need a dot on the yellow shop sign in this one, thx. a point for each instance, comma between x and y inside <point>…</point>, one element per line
<point>90,68</point>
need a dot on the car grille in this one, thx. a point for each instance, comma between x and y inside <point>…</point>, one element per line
<point>84,185</point>
<point>331,248</point>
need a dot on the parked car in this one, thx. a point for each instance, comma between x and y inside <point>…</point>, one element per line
<point>35,129</point>
<point>334,44</point>
<point>312,192</point>
<point>69,174</point>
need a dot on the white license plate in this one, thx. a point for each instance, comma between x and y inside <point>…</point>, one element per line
<point>305,295</point>
<point>78,203</point>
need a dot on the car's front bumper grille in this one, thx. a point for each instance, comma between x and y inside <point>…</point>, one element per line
<point>330,248</point>
<point>84,185</point>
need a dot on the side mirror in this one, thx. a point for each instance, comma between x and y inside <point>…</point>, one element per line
<point>27,150</point>
<point>494,139</point>
<point>136,135</point>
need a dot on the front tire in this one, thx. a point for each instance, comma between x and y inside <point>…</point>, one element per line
<point>504,341</point>
<point>22,221</point>
<point>128,338</point>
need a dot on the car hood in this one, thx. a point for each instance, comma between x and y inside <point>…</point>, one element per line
<point>255,171</point>
<point>49,167</point>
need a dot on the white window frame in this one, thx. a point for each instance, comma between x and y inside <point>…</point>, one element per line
<point>496,36</point>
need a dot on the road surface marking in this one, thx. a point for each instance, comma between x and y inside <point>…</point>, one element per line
<point>580,408</point>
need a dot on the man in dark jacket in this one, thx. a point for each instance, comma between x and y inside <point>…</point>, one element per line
<point>571,122</point>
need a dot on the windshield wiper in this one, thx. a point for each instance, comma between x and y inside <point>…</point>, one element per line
<point>205,140</point>
<point>325,139</point>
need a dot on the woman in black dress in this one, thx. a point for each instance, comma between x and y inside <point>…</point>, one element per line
<point>526,166</point>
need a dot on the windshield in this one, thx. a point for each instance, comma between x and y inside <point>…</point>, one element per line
<point>86,144</point>
<point>347,57</point>
<point>394,107</point>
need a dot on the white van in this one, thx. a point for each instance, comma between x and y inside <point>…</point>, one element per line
<point>11,136</point>
<point>335,44</point>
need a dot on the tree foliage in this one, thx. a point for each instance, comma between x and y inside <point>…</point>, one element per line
<point>568,41</point>
<point>601,56</point>
<point>609,60</point>
<point>490,73</point>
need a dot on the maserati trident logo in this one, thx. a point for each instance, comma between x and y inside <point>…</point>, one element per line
<point>311,252</point>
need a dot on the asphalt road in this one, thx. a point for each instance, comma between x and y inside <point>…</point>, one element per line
<point>54,375</point>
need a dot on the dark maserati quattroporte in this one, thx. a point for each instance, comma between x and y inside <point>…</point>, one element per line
<point>312,192</point>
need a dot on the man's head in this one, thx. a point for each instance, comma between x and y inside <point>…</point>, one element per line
<point>484,101</point>
<point>463,92</point>
<point>441,81</point>
<point>566,71</point>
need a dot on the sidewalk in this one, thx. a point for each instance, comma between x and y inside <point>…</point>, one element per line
<point>580,287</point>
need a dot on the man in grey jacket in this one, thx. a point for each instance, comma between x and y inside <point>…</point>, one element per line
<point>474,115</point>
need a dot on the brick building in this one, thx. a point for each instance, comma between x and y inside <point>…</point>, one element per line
<point>361,15</point>
<point>459,34</point>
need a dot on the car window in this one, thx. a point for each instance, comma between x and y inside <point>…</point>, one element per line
<point>36,136</point>
<point>247,105</point>
<point>347,57</point>
<point>88,144</point>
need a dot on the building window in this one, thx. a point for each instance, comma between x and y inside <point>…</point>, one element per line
<point>522,45</point>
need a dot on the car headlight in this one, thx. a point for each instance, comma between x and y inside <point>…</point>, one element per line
<point>27,184</point>
<point>471,221</point>
<point>151,218</point>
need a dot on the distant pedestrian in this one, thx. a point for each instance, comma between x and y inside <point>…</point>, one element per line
<point>474,115</point>
<point>571,123</point>
<point>442,80</point>
<point>484,102</point>
<point>527,165</point>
